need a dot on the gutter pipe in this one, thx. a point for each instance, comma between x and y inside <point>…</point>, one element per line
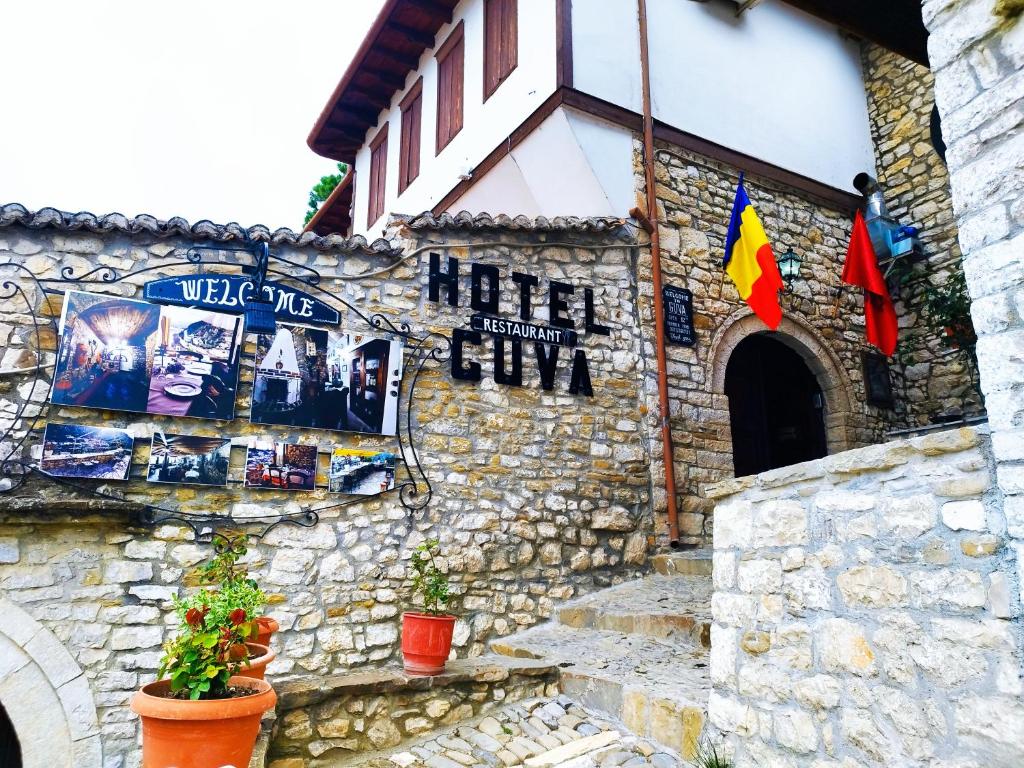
<point>659,309</point>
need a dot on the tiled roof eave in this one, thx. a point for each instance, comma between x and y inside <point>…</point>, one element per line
<point>15,214</point>
<point>481,222</point>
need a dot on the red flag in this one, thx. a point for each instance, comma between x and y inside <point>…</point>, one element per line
<point>861,268</point>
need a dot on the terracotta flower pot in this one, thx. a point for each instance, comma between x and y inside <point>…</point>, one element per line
<point>267,627</point>
<point>256,665</point>
<point>200,734</point>
<point>426,642</point>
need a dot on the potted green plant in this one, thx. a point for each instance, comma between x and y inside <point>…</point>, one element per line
<point>236,603</point>
<point>427,636</point>
<point>202,713</point>
<point>225,570</point>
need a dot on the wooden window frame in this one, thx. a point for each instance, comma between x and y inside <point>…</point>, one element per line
<point>455,41</point>
<point>378,177</point>
<point>410,151</point>
<point>494,73</point>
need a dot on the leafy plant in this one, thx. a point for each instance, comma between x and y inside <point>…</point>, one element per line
<point>948,309</point>
<point>235,590</point>
<point>322,190</point>
<point>199,660</point>
<point>707,756</point>
<point>428,580</point>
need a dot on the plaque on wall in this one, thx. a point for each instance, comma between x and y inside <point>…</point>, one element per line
<point>678,304</point>
<point>877,384</point>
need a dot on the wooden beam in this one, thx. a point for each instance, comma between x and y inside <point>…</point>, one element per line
<point>385,77</point>
<point>893,24</point>
<point>406,59</point>
<point>434,7</point>
<point>417,36</point>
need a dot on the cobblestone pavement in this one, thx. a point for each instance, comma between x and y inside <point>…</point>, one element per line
<point>538,733</point>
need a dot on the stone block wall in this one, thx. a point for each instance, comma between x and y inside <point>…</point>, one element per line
<point>695,197</point>
<point>866,611</point>
<point>538,495</point>
<point>976,51</point>
<point>937,380</point>
<point>323,720</point>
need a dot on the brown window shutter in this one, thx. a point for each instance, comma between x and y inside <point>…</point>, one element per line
<point>409,150</point>
<point>378,175</point>
<point>450,70</point>
<point>501,42</point>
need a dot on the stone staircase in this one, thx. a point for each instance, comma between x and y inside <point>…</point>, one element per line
<point>637,652</point>
<point>537,733</point>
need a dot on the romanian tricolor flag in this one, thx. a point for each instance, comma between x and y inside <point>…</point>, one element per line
<point>750,263</point>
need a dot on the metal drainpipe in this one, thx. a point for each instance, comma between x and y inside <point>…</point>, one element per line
<point>659,309</point>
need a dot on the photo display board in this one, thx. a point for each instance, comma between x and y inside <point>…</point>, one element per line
<point>314,378</point>
<point>129,355</point>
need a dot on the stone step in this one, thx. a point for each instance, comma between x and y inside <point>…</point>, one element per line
<point>536,733</point>
<point>657,687</point>
<point>674,608</point>
<point>687,562</point>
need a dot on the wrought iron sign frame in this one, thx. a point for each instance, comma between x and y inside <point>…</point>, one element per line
<point>419,349</point>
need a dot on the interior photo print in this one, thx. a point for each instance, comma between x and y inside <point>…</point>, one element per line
<point>76,450</point>
<point>280,466</point>
<point>189,459</point>
<point>311,377</point>
<point>365,473</point>
<point>130,355</point>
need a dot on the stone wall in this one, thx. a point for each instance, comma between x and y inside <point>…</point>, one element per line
<point>538,495</point>
<point>866,611</point>
<point>937,380</point>
<point>976,50</point>
<point>695,197</point>
<point>323,720</point>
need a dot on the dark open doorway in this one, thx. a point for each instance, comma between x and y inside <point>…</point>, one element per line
<point>776,407</point>
<point>10,750</point>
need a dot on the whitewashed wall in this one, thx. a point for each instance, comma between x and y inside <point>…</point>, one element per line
<point>774,83</point>
<point>571,165</point>
<point>484,124</point>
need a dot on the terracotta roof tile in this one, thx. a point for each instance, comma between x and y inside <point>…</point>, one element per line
<point>485,221</point>
<point>13,214</point>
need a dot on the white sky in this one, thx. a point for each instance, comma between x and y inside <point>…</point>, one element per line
<point>194,108</point>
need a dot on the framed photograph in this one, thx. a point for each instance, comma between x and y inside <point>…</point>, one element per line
<point>77,450</point>
<point>130,355</point>
<point>189,459</point>
<point>877,382</point>
<point>365,473</point>
<point>280,466</point>
<point>314,378</point>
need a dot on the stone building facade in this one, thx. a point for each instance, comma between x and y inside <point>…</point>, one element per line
<point>938,381</point>
<point>537,495</point>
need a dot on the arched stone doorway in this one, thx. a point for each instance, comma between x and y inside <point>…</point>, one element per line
<point>815,353</point>
<point>776,406</point>
<point>45,696</point>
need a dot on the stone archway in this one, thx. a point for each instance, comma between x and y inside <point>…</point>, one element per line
<point>46,695</point>
<point>815,352</point>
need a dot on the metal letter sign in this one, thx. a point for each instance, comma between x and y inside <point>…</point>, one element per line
<point>678,315</point>
<point>515,329</point>
<point>227,293</point>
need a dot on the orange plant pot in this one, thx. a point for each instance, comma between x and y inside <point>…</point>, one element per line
<point>426,642</point>
<point>256,665</point>
<point>267,627</point>
<point>201,734</point>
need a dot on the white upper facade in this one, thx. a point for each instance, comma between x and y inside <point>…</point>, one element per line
<point>774,84</point>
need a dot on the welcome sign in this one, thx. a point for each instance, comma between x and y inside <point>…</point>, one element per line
<point>228,293</point>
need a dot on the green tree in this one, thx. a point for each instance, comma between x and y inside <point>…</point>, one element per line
<point>322,190</point>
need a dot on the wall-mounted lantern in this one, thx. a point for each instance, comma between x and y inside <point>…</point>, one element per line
<point>789,267</point>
